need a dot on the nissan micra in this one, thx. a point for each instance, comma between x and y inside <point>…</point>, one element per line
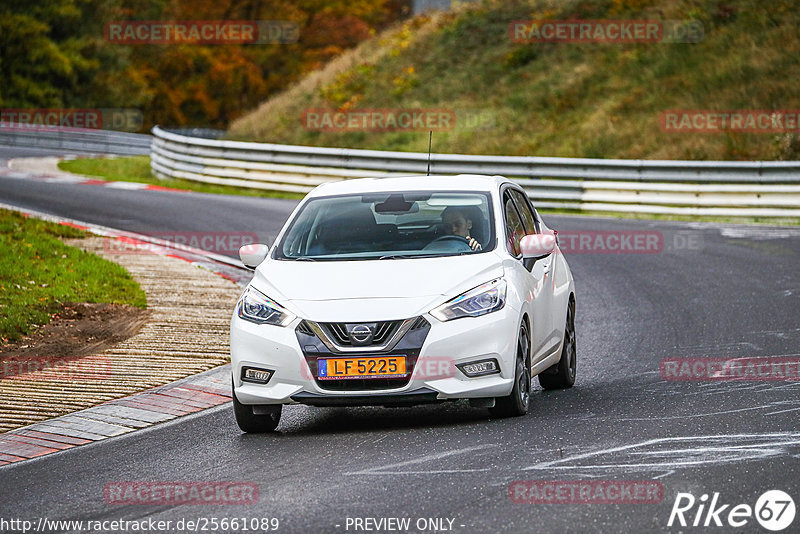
<point>402,291</point>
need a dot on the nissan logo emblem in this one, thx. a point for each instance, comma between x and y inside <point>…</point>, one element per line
<point>360,333</point>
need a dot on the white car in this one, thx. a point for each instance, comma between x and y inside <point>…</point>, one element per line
<point>401,291</point>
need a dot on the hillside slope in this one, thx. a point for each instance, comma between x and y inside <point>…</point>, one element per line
<point>558,99</point>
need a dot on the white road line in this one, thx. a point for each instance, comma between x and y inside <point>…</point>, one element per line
<point>382,470</point>
<point>700,450</point>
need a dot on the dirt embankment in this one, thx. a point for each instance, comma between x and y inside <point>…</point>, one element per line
<point>78,330</point>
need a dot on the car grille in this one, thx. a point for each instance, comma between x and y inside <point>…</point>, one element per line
<point>338,332</point>
<point>409,346</point>
<point>304,328</point>
<point>419,323</point>
<point>363,384</point>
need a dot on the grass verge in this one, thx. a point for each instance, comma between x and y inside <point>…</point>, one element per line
<point>137,169</point>
<point>592,100</point>
<point>39,273</point>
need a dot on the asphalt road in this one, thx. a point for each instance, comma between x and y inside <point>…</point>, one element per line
<point>712,291</point>
<point>151,212</point>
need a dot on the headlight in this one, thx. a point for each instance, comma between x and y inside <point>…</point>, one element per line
<point>257,308</point>
<point>481,300</point>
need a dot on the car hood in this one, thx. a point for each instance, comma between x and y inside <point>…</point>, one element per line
<point>374,289</point>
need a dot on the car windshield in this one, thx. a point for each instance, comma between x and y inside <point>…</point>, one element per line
<point>387,226</point>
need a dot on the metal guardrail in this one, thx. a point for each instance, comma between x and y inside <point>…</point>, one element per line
<point>717,188</point>
<point>75,139</point>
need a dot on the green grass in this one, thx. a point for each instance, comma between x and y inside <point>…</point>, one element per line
<point>558,99</point>
<point>38,273</point>
<point>137,169</point>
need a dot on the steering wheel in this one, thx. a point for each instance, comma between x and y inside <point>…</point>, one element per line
<point>449,243</point>
<point>451,237</point>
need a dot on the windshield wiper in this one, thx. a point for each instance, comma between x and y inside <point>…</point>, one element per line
<point>304,258</point>
<point>406,256</point>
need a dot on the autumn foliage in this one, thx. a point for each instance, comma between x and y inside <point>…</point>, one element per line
<point>53,54</point>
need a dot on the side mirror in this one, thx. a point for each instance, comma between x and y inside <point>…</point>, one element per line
<point>537,245</point>
<point>253,254</point>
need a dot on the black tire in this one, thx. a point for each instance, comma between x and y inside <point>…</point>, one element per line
<point>562,374</point>
<point>265,421</point>
<point>517,402</point>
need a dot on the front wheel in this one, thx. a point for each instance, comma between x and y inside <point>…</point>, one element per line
<point>517,402</point>
<point>256,419</point>
<point>562,374</point>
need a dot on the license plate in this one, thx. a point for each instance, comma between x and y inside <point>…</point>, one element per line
<point>373,367</point>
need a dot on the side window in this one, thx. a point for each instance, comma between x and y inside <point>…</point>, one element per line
<point>514,228</point>
<point>528,220</point>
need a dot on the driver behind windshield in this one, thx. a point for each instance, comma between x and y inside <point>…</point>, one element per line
<point>457,222</point>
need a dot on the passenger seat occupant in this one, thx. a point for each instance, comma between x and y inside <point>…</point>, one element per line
<point>457,222</point>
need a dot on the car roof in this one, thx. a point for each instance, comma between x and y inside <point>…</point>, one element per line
<point>459,182</point>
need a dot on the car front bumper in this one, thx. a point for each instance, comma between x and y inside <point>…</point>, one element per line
<point>435,375</point>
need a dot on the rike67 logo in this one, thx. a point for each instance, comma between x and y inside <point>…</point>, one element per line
<point>774,510</point>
